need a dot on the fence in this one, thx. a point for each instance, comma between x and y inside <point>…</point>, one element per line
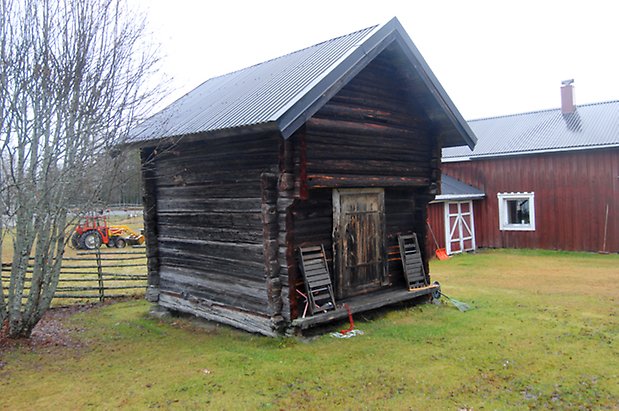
<point>98,274</point>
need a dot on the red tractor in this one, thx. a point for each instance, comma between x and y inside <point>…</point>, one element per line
<point>92,231</point>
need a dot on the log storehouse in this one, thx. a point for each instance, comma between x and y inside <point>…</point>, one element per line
<point>279,196</point>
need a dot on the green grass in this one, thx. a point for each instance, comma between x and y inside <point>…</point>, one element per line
<point>543,335</point>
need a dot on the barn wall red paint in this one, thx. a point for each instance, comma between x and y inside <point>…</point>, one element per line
<point>436,220</point>
<point>572,190</point>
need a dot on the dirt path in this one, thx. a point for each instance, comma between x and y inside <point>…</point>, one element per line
<point>49,332</point>
<point>52,330</point>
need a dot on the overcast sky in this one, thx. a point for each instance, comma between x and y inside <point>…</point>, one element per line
<point>492,57</point>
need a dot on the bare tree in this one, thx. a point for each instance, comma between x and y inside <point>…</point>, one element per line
<point>123,184</point>
<point>72,81</point>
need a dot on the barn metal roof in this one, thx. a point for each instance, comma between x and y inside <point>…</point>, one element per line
<point>453,189</point>
<point>590,126</point>
<point>281,94</point>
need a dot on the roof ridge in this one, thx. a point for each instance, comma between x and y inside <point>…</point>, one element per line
<point>540,111</point>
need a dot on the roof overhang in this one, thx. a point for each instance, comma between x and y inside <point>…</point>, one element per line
<point>491,156</point>
<point>457,197</point>
<point>270,127</point>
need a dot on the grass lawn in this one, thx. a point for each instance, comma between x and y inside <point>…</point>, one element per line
<point>543,334</point>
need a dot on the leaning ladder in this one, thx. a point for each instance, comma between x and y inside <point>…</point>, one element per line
<point>414,273</point>
<point>315,271</point>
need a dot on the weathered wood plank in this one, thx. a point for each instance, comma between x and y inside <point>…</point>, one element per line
<point>340,166</point>
<point>351,180</point>
<point>246,221</point>
<point>270,217</point>
<point>390,114</point>
<point>208,205</point>
<point>386,142</point>
<point>229,290</point>
<point>289,188</point>
<point>149,200</point>
<point>242,189</point>
<point>190,177</point>
<point>232,250</point>
<point>251,270</point>
<point>211,310</point>
<point>364,303</point>
<point>247,236</point>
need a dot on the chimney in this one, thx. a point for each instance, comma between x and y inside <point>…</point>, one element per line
<point>567,97</point>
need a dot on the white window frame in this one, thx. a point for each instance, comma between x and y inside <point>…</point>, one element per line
<point>503,215</point>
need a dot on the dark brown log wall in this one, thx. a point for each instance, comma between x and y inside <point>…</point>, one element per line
<point>572,191</point>
<point>312,224</point>
<point>210,222</point>
<point>149,200</point>
<point>371,134</point>
<point>400,214</point>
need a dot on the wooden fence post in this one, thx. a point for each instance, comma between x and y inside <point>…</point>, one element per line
<point>85,280</point>
<point>100,274</point>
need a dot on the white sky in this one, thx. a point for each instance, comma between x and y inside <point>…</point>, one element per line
<point>492,57</point>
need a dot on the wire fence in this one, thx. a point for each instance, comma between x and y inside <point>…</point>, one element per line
<point>97,275</point>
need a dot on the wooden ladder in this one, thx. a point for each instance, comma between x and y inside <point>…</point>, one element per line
<point>414,273</point>
<point>315,271</point>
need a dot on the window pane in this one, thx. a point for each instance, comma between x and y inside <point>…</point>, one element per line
<point>518,211</point>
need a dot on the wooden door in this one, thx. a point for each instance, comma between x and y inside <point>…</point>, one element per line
<point>459,227</point>
<point>358,239</point>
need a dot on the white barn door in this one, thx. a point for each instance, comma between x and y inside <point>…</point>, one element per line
<point>459,227</point>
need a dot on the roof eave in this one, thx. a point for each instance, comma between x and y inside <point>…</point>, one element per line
<point>525,153</point>
<point>226,132</point>
<point>446,197</point>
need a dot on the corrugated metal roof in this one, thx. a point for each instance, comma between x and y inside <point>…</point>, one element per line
<point>591,126</point>
<point>250,96</point>
<point>453,189</point>
<point>281,94</point>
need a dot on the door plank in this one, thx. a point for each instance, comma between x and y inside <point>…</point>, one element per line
<point>359,240</point>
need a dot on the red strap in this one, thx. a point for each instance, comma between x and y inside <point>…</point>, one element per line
<point>352,323</point>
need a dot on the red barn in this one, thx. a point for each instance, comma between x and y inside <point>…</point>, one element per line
<point>550,179</point>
